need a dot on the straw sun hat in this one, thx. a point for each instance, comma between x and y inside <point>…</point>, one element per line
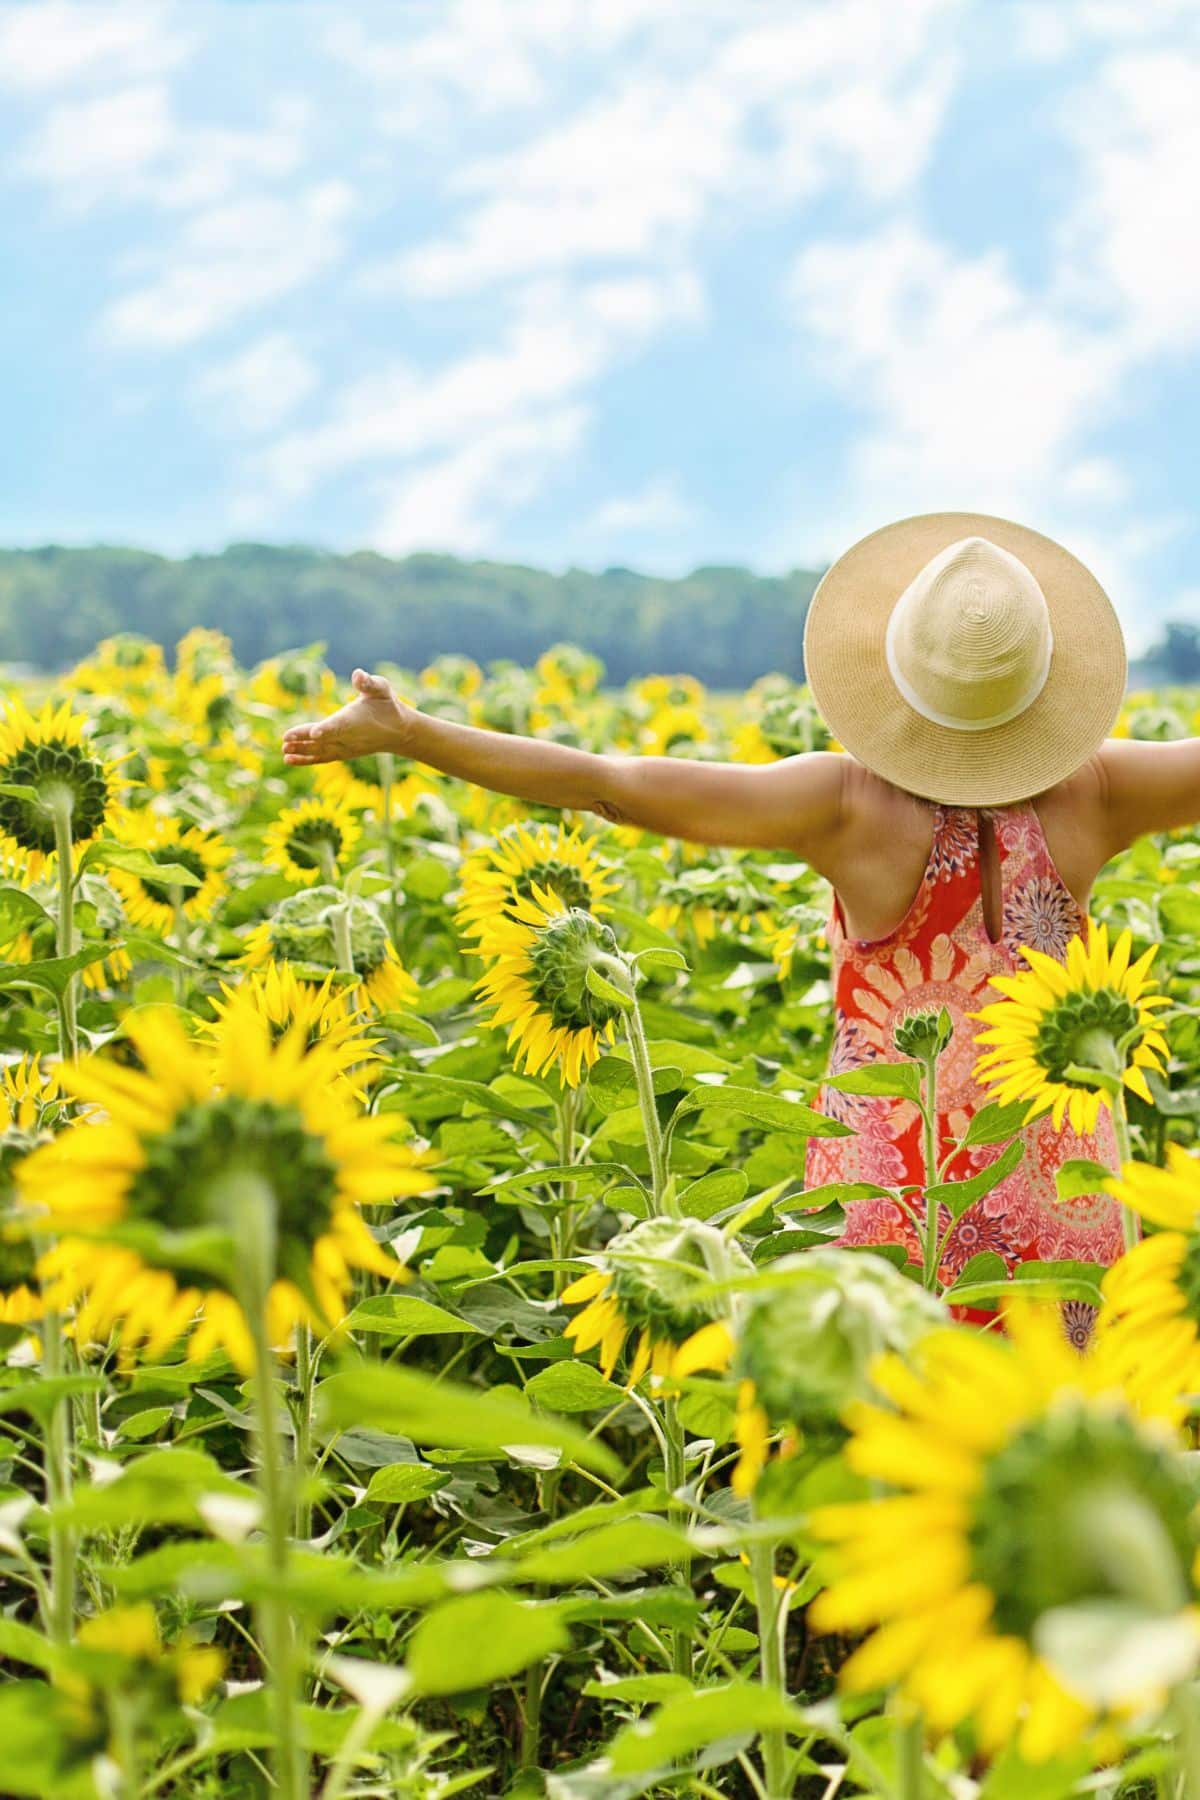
<point>966,658</point>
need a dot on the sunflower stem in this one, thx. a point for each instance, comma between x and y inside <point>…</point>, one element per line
<point>1131,1224</point>
<point>562,1224</point>
<point>929,1122</point>
<point>181,944</point>
<point>1187,1718</point>
<point>252,1204</point>
<point>677,1510</point>
<point>303,1440</point>
<point>339,916</point>
<point>387,777</point>
<point>910,1757</point>
<point>771,1616</point>
<point>60,1624</point>
<point>61,802</point>
<point>639,1054</point>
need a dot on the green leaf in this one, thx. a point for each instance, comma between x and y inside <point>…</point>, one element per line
<point>995,1123</point>
<point>640,1690</point>
<point>900,1080</point>
<point>449,1415</point>
<point>700,1717</point>
<point>32,1730</point>
<point>52,973</point>
<point>1011,1778</point>
<point>40,1398</point>
<point>587,1178</point>
<point>21,1643</point>
<point>958,1195</point>
<point>571,1387</point>
<point>405,1315</point>
<point>1179,910</point>
<point>403,1482</point>
<point>1079,1175</point>
<point>604,989</point>
<point>617,1549</point>
<point>712,1193</point>
<point>476,1640</point>
<point>19,912</point>
<point>103,855</point>
<point>833,1192</point>
<point>474,1093</point>
<point>1067,1279</point>
<point>161,1488</point>
<point>659,957</point>
<point>769,1110</point>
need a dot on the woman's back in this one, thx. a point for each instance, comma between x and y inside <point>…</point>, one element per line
<point>943,952</point>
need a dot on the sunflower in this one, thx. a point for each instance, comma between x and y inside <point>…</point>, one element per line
<point>27,1088</point>
<point>702,901</point>
<point>129,1635</point>
<point>166,840</point>
<point>521,859</point>
<point>537,984</point>
<point>155,1175</point>
<point>1093,1011</point>
<point>312,840</point>
<point>20,1294</point>
<point>643,1285</point>
<point>300,931</point>
<point>452,674</point>
<point>669,727</point>
<point>997,1470</point>
<point>317,1009</point>
<point>47,754</point>
<point>295,678</point>
<point>668,690</point>
<point>127,667</point>
<point>806,1343</point>
<point>566,674</point>
<point>1150,1308</point>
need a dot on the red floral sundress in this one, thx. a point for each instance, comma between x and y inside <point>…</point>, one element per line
<point>941,955</point>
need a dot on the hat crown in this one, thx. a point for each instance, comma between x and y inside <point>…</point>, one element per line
<point>969,642</point>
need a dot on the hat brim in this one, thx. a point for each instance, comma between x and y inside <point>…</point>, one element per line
<point>846,668</point>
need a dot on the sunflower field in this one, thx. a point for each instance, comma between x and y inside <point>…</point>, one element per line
<point>425,1370</point>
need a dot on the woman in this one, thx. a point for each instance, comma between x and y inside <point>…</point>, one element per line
<point>973,669</point>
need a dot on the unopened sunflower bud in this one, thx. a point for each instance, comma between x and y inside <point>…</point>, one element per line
<point>924,1034</point>
<point>808,1343</point>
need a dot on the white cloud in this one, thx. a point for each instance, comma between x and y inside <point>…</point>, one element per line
<point>126,146</point>
<point>49,43</point>
<point>259,388</point>
<point>773,107</point>
<point>229,260</point>
<point>558,343</point>
<point>501,56</point>
<point>658,506</point>
<point>970,392</point>
<point>455,502</point>
<point>974,396</point>
<point>1129,243</point>
<point>1052,33</point>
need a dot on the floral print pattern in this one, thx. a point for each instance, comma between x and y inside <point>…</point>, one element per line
<point>941,955</point>
<point>1042,914</point>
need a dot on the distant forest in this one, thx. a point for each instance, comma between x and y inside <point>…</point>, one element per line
<point>723,624</point>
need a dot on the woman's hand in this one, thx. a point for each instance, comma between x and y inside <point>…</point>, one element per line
<point>374,722</point>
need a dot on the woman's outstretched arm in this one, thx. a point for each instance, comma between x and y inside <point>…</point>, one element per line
<point>1148,787</point>
<point>793,804</point>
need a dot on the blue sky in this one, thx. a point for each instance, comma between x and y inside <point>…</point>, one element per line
<point>604,281</point>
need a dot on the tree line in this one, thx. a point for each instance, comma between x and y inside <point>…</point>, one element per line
<point>722,623</point>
